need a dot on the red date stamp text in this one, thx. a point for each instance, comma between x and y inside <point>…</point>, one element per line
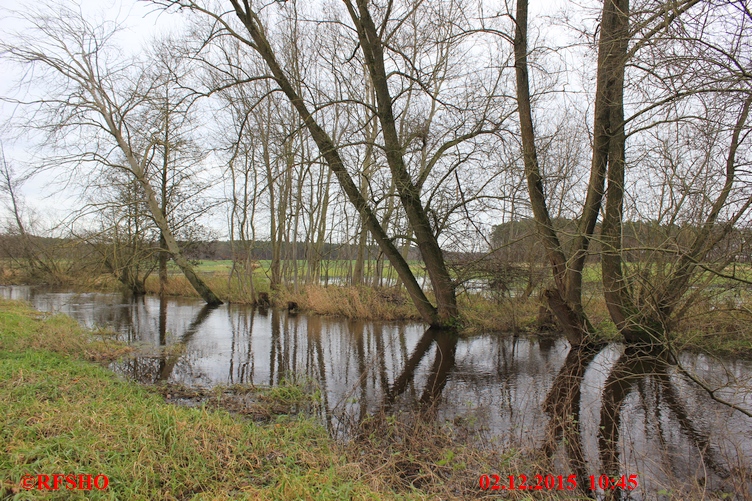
<point>556,482</point>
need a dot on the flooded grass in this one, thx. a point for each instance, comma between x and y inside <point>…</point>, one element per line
<point>414,451</point>
<point>260,404</point>
<point>22,329</point>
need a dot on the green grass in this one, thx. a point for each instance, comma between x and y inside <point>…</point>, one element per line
<point>591,274</point>
<point>222,266</point>
<point>64,414</point>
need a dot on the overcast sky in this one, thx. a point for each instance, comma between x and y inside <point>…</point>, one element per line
<point>142,22</point>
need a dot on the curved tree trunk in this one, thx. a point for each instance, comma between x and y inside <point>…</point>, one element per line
<point>331,155</point>
<point>615,37</point>
<point>639,321</point>
<point>565,301</point>
<point>409,193</point>
<point>156,212</point>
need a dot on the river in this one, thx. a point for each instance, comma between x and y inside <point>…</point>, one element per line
<point>608,411</point>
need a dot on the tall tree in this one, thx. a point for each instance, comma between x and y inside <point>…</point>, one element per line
<point>565,300</point>
<point>94,94</point>
<point>705,97</point>
<point>367,41</point>
<point>618,42</point>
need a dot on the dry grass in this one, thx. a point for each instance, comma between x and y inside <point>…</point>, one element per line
<point>481,314</point>
<point>12,275</point>
<point>716,327</point>
<point>176,286</point>
<point>350,301</point>
<point>228,291</point>
<point>76,280</point>
<point>406,452</point>
<point>597,312</point>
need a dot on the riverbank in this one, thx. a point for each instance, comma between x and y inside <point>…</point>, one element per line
<point>66,414</point>
<point>714,325</point>
<point>717,326</point>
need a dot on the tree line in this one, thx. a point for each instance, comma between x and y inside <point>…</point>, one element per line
<point>409,125</point>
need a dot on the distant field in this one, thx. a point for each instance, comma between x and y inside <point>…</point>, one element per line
<point>332,268</point>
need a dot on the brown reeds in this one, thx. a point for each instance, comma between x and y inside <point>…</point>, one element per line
<point>482,314</point>
<point>413,451</point>
<point>362,302</point>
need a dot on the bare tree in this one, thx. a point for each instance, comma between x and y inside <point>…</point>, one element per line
<point>37,259</point>
<point>175,164</point>
<point>565,300</point>
<point>371,49</point>
<point>695,80</point>
<point>9,187</point>
<point>639,40</point>
<point>126,239</point>
<point>94,93</point>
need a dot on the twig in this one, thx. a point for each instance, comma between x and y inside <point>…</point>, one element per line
<point>708,389</point>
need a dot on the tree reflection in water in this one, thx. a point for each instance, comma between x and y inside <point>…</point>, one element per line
<point>613,411</point>
<point>562,405</point>
<point>444,359</point>
<point>657,414</point>
<point>649,375</point>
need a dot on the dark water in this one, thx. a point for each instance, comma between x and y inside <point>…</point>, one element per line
<point>610,411</point>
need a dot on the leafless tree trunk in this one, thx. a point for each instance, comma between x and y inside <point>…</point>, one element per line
<point>9,185</point>
<point>372,47</point>
<point>330,153</point>
<point>566,299</point>
<point>618,43</point>
<point>643,311</point>
<point>93,97</point>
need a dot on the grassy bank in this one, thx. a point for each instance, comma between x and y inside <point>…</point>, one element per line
<point>65,414</point>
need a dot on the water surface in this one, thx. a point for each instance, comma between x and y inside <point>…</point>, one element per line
<point>609,411</point>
